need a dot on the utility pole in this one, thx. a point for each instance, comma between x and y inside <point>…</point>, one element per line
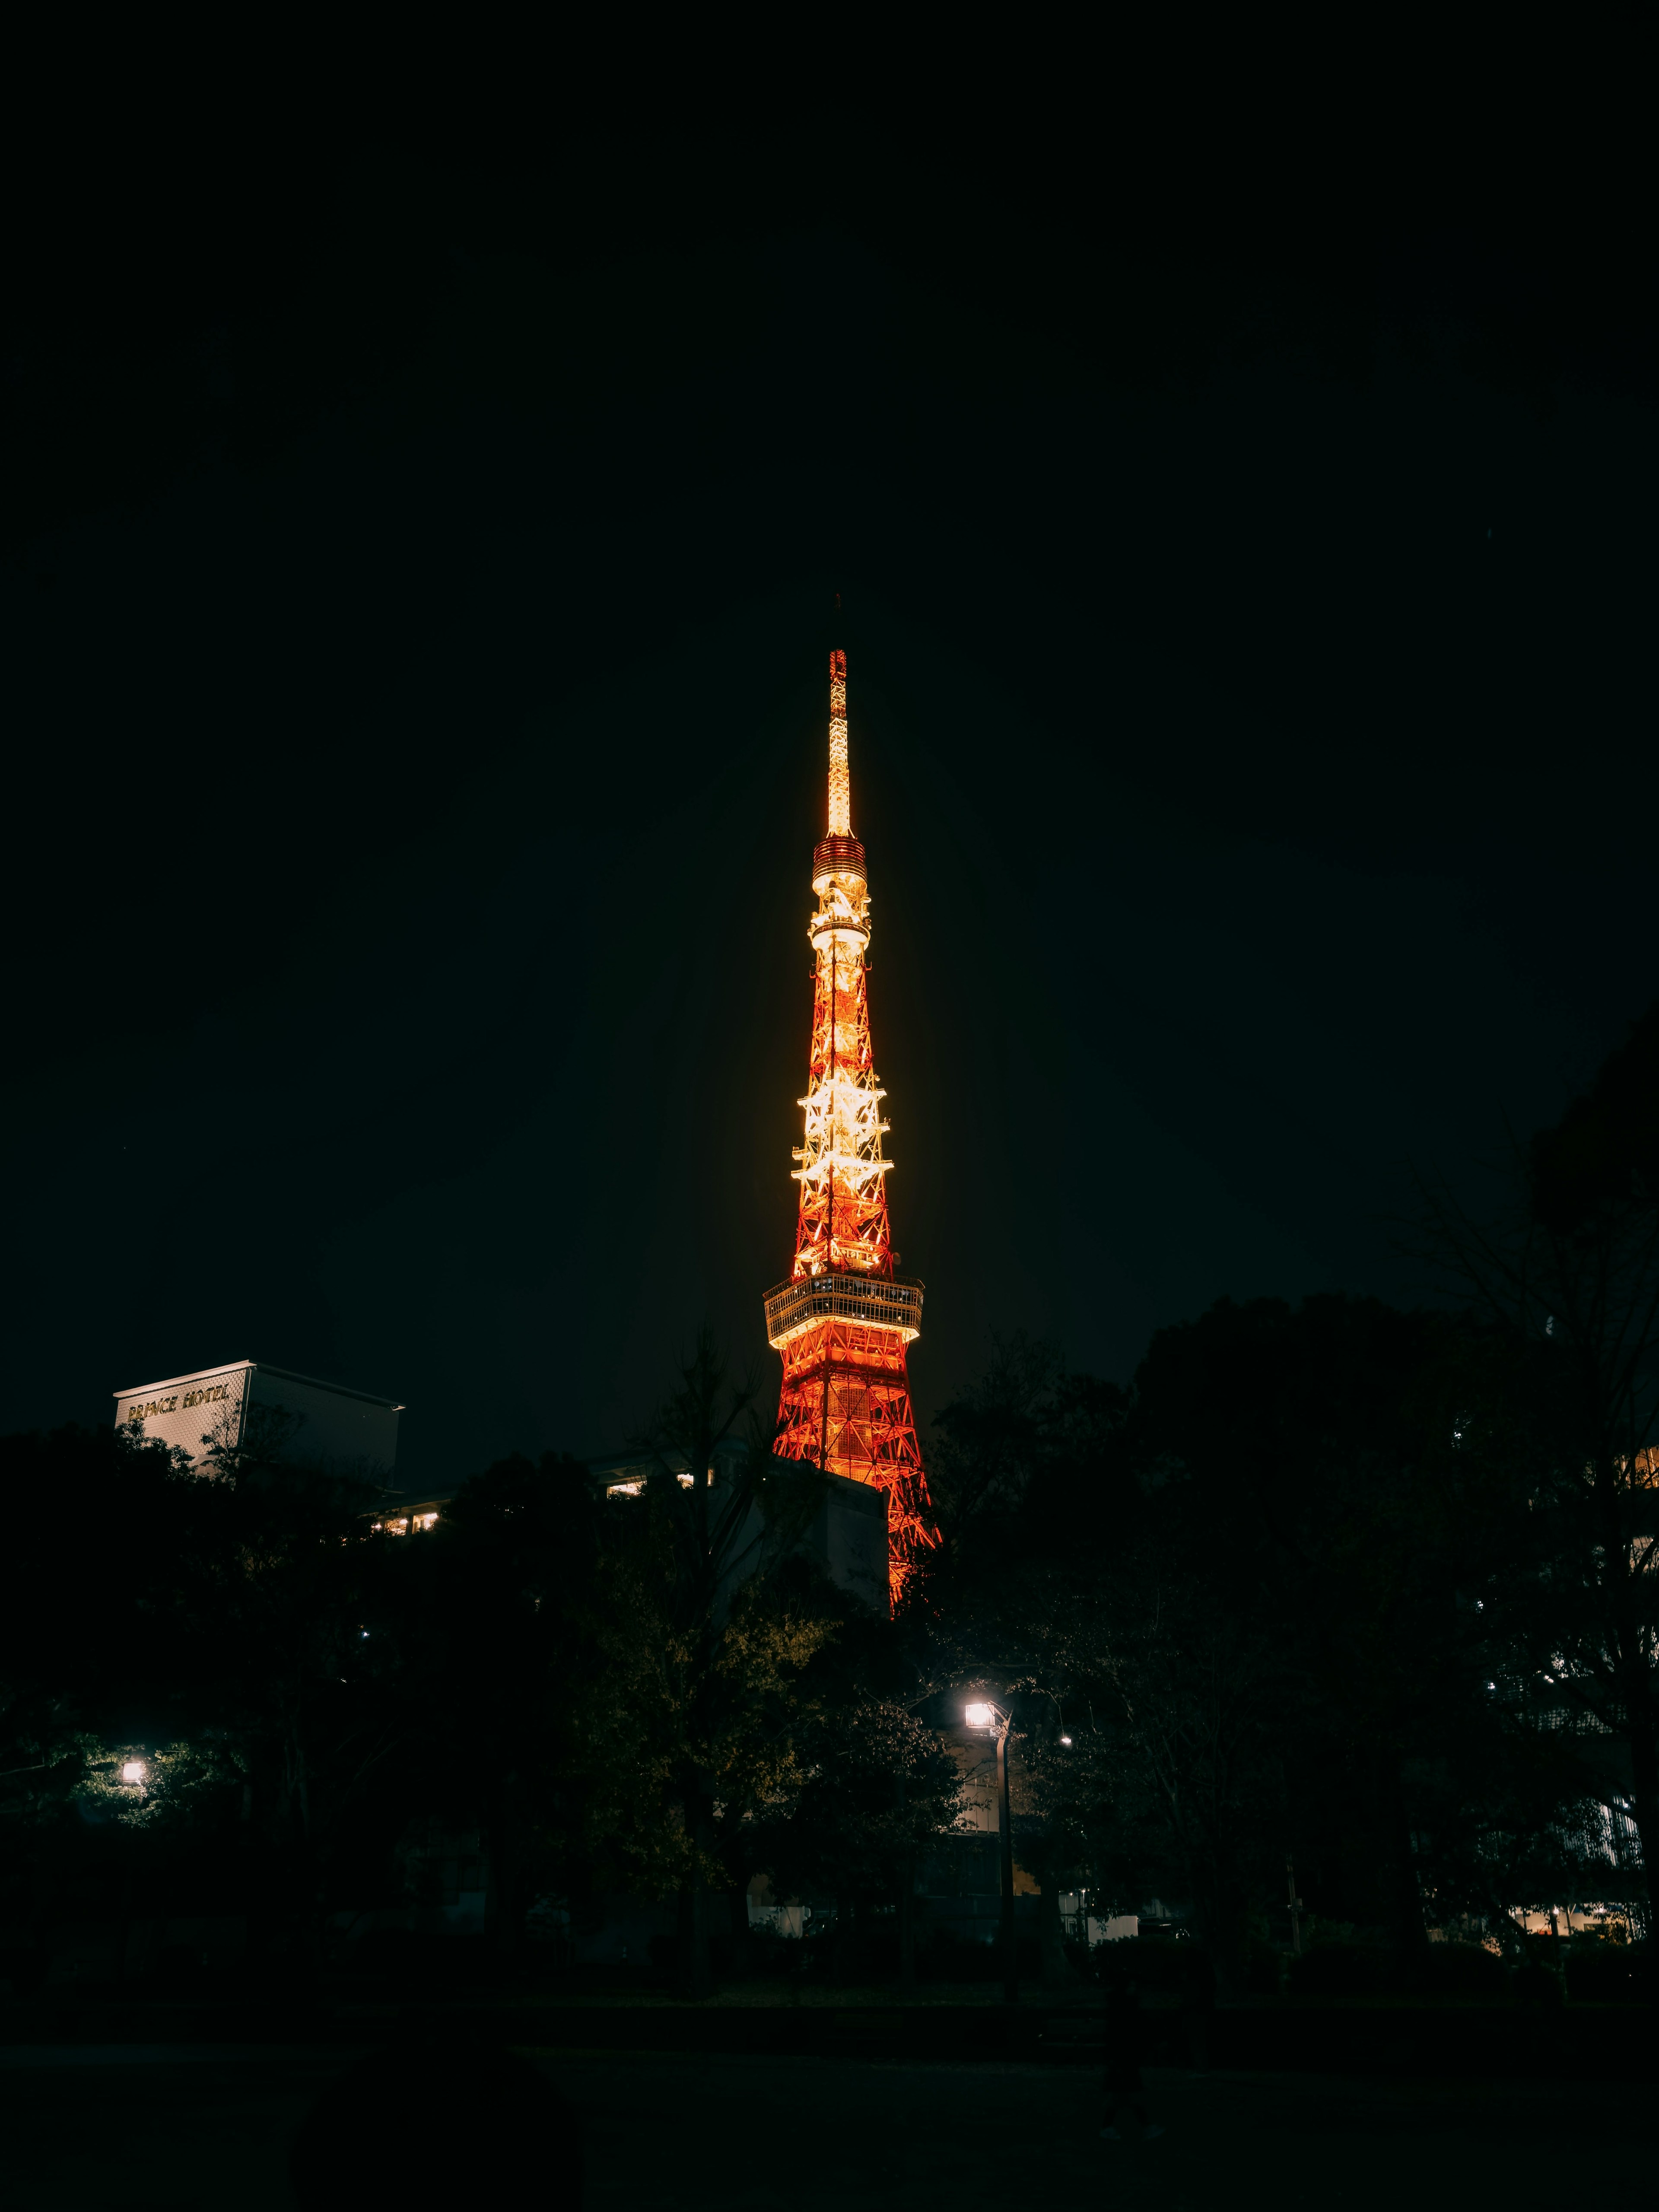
<point>1295,1908</point>
<point>982,1714</point>
<point>1006,1835</point>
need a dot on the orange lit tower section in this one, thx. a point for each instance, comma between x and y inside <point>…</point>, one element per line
<point>843,1319</point>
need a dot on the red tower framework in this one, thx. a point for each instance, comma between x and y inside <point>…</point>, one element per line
<point>843,1319</point>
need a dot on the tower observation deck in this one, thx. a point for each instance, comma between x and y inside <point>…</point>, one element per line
<point>843,1320</point>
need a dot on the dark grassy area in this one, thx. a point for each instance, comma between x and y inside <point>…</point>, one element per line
<point>167,2130</point>
<point>1540,2040</point>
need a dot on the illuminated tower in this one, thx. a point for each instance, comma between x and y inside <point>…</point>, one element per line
<point>843,1319</point>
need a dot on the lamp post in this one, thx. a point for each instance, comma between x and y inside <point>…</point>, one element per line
<point>1295,1908</point>
<point>988,1717</point>
<point>135,1773</point>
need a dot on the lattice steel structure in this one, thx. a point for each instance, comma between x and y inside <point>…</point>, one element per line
<point>843,1319</point>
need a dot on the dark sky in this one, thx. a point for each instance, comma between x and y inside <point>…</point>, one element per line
<point>416,607</point>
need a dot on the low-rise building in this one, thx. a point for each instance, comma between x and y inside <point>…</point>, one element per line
<point>844,1533</point>
<point>220,1409</point>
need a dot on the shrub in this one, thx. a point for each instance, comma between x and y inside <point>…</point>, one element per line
<point>945,1956</point>
<point>1538,1977</point>
<point>1603,1972</point>
<point>1338,1970</point>
<point>1264,1972</point>
<point>1156,1962</point>
<point>1461,1970</point>
<point>179,1972</point>
<point>770,1955</point>
<point>413,1961</point>
<point>22,1971</point>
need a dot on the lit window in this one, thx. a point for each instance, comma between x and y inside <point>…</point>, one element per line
<point>426,1520</point>
<point>623,1489</point>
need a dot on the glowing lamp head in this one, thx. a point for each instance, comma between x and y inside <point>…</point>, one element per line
<point>1066,1739</point>
<point>981,1716</point>
<point>132,1771</point>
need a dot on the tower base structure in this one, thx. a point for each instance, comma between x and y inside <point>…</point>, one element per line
<point>845,1404</point>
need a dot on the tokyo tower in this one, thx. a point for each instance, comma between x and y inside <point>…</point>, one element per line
<point>843,1319</point>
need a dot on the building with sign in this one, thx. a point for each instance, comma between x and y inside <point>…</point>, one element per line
<point>314,1424</point>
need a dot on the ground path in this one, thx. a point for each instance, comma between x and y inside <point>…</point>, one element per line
<point>158,2128</point>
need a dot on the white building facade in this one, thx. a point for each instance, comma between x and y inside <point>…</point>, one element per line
<point>327,1425</point>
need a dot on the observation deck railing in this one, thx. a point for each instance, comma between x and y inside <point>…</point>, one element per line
<point>879,1301</point>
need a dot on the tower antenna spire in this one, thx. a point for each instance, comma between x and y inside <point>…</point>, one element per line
<point>844,1319</point>
<point>840,823</point>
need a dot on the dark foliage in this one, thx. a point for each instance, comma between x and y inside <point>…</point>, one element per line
<point>1364,1591</point>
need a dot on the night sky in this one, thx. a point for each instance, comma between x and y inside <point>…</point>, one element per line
<point>417,598</point>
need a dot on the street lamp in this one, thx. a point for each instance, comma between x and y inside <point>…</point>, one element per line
<point>988,1717</point>
<point>132,1771</point>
